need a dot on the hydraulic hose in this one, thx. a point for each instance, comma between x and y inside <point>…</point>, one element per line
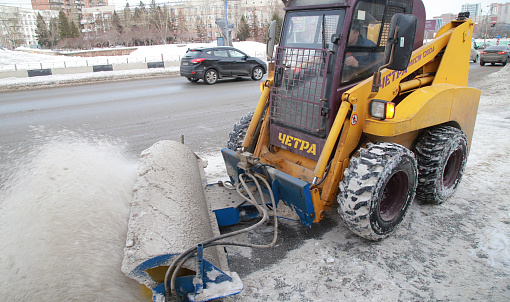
<point>179,261</point>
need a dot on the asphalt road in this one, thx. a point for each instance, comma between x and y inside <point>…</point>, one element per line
<point>477,72</point>
<point>138,112</point>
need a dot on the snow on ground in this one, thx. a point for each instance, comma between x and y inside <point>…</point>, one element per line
<point>456,251</point>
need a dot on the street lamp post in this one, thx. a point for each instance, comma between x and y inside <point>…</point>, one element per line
<point>486,21</point>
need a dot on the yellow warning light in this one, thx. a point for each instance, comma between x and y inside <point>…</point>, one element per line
<point>382,109</point>
<point>390,110</point>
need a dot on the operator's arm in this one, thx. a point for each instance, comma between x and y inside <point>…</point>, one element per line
<point>351,61</point>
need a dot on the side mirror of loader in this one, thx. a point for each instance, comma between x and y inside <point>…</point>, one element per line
<point>271,40</point>
<point>399,46</point>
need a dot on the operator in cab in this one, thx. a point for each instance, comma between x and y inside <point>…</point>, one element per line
<point>357,39</point>
<point>361,57</point>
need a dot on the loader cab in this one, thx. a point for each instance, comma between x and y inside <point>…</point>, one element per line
<point>325,48</point>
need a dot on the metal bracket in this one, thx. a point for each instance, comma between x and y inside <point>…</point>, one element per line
<point>247,160</point>
<point>199,281</point>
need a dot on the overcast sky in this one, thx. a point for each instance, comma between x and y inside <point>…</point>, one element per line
<point>433,7</point>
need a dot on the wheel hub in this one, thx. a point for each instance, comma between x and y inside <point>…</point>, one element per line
<point>452,168</point>
<point>394,196</point>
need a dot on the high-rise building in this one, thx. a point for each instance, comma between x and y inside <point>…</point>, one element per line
<point>18,26</point>
<point>501,12</point>
<point>473,9</point>
<point>72,8</point>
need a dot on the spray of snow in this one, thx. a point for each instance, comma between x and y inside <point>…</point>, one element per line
<point>63,222</point>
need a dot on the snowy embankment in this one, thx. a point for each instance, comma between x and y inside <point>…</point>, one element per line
<point>9,61</point>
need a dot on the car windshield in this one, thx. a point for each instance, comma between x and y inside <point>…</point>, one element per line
<point>312,29</point>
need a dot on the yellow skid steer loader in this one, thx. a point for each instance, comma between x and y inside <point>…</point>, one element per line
<point>355,112</point>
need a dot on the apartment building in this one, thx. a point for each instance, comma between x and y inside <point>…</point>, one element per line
<point>501,12</point>
<point>72,8</point>
<point>18,25</point>
<point>97,18</point>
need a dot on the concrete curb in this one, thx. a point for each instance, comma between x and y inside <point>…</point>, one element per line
<point>107,77</point>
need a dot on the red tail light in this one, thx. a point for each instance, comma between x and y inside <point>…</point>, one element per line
<point>501,52</point>
<point>196,61</point>
<point>483,52</point>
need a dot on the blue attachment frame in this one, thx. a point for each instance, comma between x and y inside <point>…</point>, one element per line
<point>189,287</point>
<point>292,191</point>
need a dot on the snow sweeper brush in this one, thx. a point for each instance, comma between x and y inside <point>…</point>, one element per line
<point>173,246</point>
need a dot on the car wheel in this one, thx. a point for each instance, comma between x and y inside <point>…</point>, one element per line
<point>193,80</point>
<point>211,76</point>
<point>506,61</point>
<point>482,63</point>
<point>257,73</point>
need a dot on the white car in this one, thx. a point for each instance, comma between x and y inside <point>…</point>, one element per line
<point>474,55</point>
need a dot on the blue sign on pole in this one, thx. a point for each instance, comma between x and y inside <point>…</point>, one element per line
<point>498,37</point>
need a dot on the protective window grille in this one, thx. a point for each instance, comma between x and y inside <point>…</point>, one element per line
<point>328,28</point>
<point>391,11</point>
<point>299,88</point>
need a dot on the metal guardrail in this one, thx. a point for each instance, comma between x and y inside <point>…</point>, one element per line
<point>92,61</point>
<point>84,62</point>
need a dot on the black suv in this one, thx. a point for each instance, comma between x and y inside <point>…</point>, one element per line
<point>213,63</point>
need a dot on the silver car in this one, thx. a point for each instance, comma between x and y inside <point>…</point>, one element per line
<point>495,54</point>
<point>474,55</point>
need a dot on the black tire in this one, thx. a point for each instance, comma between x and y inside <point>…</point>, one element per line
<point>442,155</point>
<point>506,61</point>
<point>193,80</point>
<point>237,135</point>
<point>482,63</point>
<point>211,76</point>
<point>257,73</point>
<point>378,187</point>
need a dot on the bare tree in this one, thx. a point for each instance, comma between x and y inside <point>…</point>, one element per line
<point>54,32</point>
<point>10,28</point>
<point>200,29</point>
<point>160,21</point>
<point>255,28</point>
